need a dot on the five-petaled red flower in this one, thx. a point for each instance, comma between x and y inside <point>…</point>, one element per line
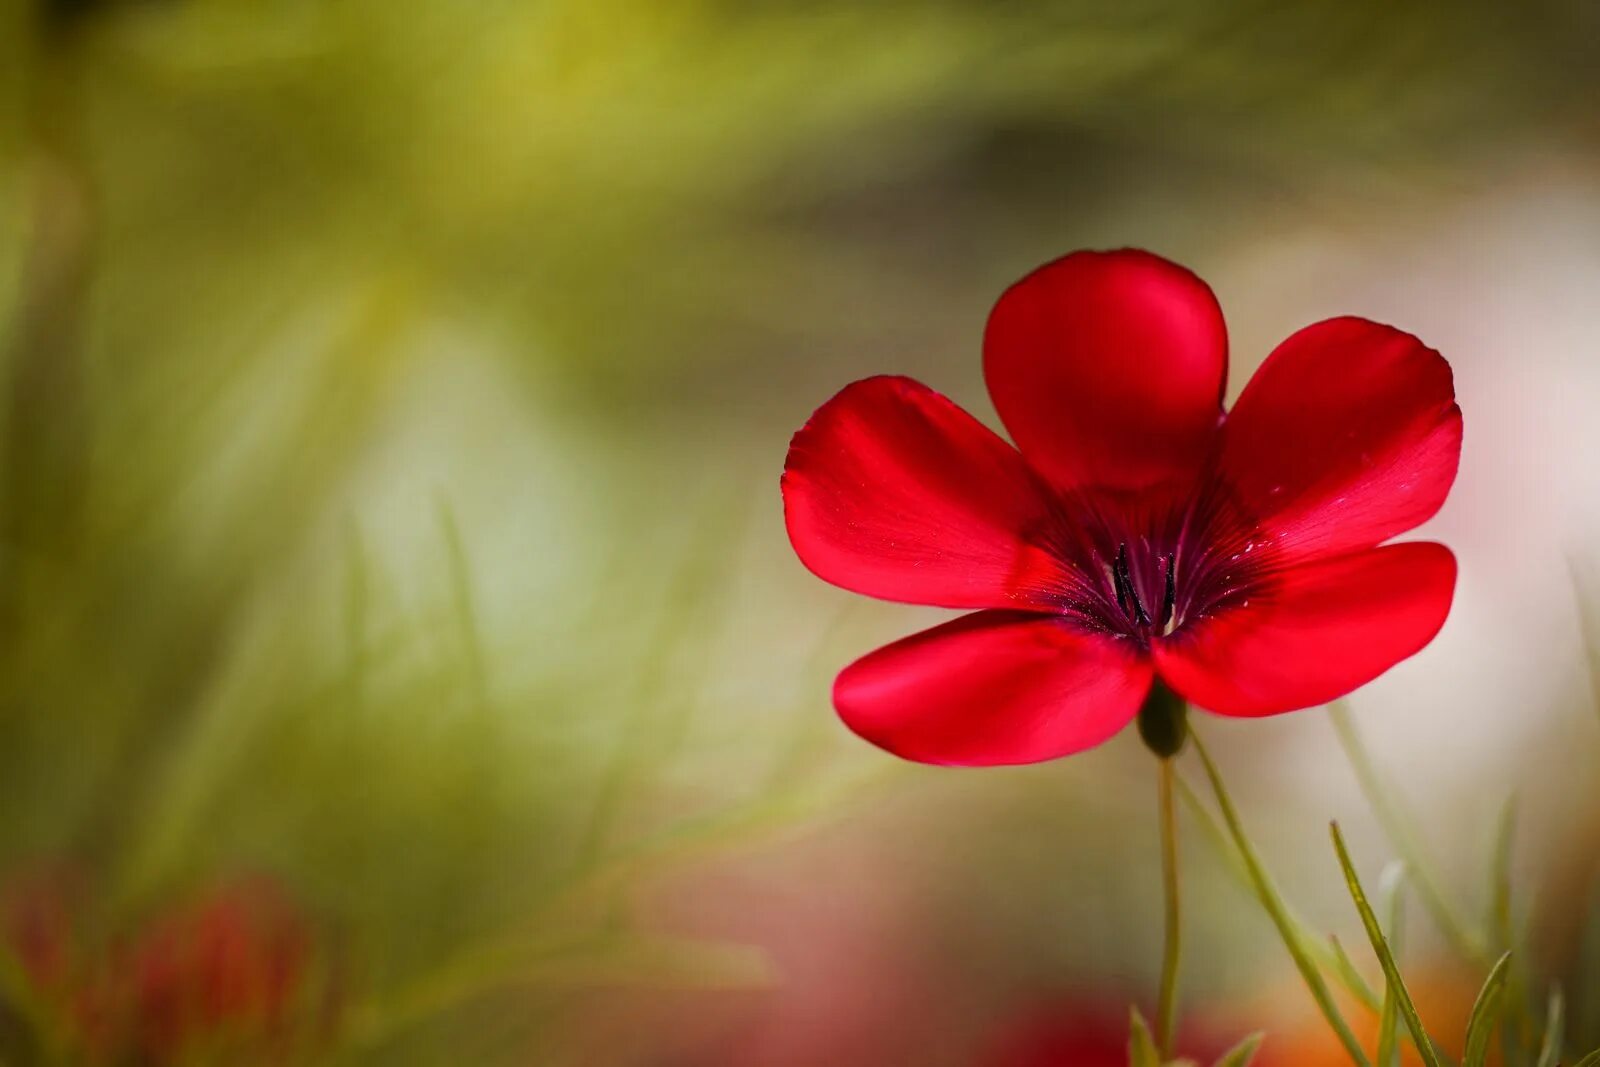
<point>1135,531</point>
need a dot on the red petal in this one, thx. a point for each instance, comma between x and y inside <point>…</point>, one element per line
<point>1108,368</point>
<point>994,687</point>
<point>1348,435</point>
<point>1312,632</point>
<point>893,491</point>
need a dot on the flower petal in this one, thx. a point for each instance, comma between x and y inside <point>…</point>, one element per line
<point>893,491</point>
<point>1108,369</point>
<point>1348,435</point>
<point>994,687</point>
<point>1313,632</point>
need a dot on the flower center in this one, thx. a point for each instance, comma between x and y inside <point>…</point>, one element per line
<point>1127,592</point>
<point>1145,568</point>
<point>1144,589</point>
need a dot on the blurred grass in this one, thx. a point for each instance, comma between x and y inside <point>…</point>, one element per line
<point>234,237</point>
<point>620,184</point>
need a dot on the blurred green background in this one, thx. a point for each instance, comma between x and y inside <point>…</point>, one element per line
<point>392,406</point>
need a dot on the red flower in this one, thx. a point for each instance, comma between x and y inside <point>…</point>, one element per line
<point>1138,532</point>
<point>229,970</point>
<point>231,964</point>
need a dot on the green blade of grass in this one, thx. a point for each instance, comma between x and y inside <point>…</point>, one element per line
<point>1241,1054</point>
<point>1344,968</point>
<point>1398,829</point>
<point>464,604</point>
<point>1141,1046</point>
<point>1554,1022</point>
<point>356,613</point>
<point>1584,1011</point>
<point>1591,1060</point>
<point>1321,952</point>
<point>1500,876</point>
<point>655,717</point>
<point>1391,971</point>
<point>1278,912</point>
<point>1518,1032</point>
<point>1391,888</point>
<point>1486,1013</point>
<point>573,962</point>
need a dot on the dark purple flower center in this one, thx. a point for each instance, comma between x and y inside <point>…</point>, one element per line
<point>1127,591</point>
<point>1143,573</point>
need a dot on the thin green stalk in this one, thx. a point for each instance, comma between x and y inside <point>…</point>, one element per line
<point>1391,971</point>
<point>1242,1053</point>
<point>678,627</point>
<point>464,602</point>
<point>1486,1013</point>
<point>1398,830</point>
<point>1142,1051</point>
<point>1586,1005</point>
<point>1519,1031</point>
<point>1550,1047</point>
<point>1344,969</point>
<point>1325,955</point>
<point>1500,877</point>
<point>1172,955</point>
<point>1273,903</point>
<point>1392,887</point>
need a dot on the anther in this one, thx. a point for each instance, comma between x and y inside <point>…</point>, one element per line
<point>1119,579</point>
<point>1169,599</point>
<point>1126,591</point>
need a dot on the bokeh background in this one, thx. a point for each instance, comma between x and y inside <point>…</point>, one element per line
<point>401,657</point>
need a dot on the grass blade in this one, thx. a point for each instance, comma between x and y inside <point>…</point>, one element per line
<point>1391,888</point>
<point>1278,912</point>
<point>1585,1007</point>
<point>1344,969</point>
<point>1518,1031</point>
<point>1141,1046</point>
<point>1591,1060</point>
<point>464,603</point>
<point>1554,1022</point>
<point>1321,952</point>
<point>1500,876</point>
<point>1398,829</point>
<point>1486,1013</point>
<point>1241,1054</point>
<point>1391,971</point>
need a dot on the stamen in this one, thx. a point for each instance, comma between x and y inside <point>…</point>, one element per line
<point>1169,599</point>
<point>1119,571</point>
<point>1126,590</point>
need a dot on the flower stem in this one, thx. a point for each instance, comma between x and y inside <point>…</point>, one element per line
<point>1279,913</point>
<point>1172,955</point>
<point>1164,727</point>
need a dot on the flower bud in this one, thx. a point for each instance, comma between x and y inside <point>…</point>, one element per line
<point>1164,721</point>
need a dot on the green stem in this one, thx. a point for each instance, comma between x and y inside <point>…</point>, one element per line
<point>1380,946</point>
<point>1398,830</point>
<point>1278,912</point>
<point>1172,956</point>
<point>1325,954</point>
<point>1392,892</point>
<point>1471,945</point>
